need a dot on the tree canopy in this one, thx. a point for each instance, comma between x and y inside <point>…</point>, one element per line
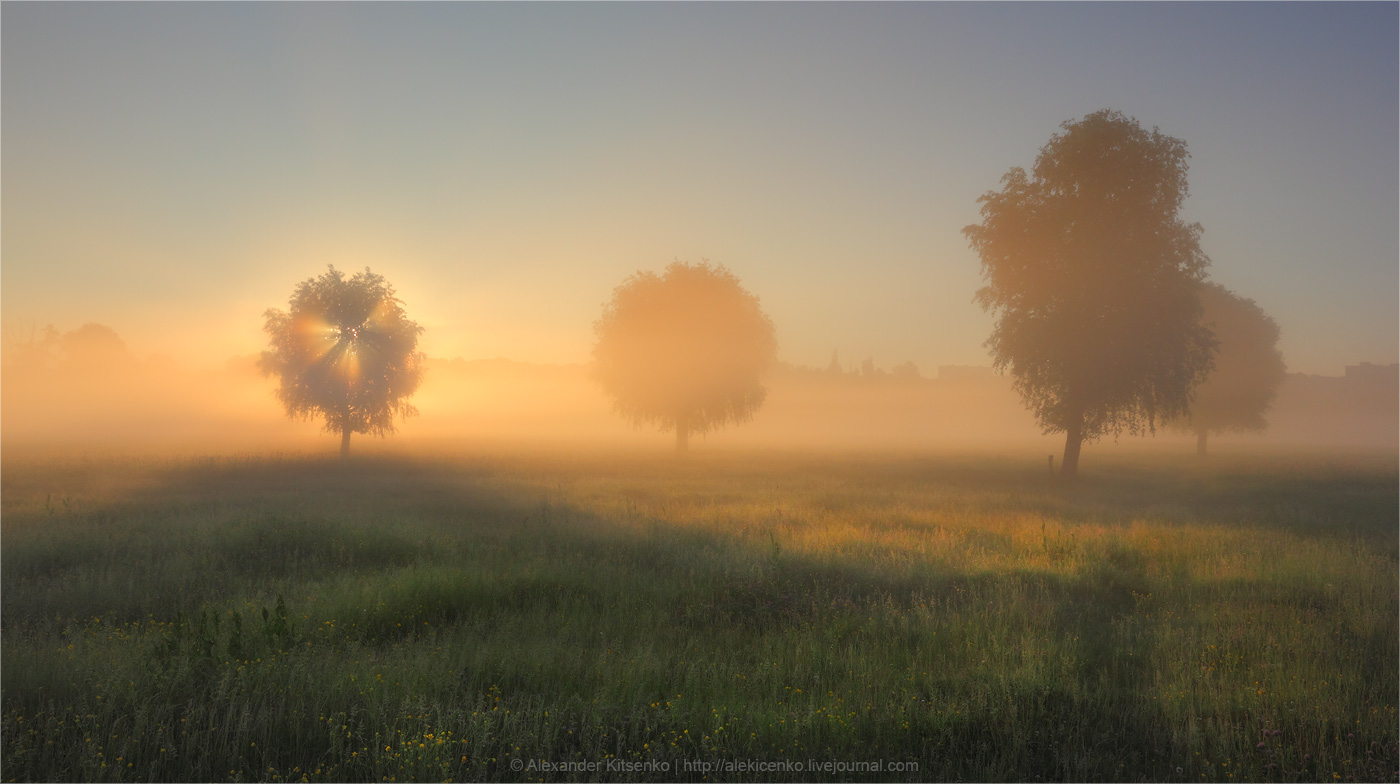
<point>684,350</point>
<point>1248,367</point>
<point>94,347</point>
<point>1093,277</point>
<point>345,352</point>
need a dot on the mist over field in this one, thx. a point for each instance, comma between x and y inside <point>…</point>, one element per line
<point>112,400</point>
<point>733,392</point>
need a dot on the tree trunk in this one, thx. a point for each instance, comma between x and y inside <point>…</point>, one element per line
<point>682,434</point>
<point>1201,443</point>
<point>345,443</point>
<point>1074,438</point>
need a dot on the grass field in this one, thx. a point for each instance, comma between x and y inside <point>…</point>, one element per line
<point>464,617</point>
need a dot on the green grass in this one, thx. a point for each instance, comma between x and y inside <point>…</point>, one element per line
<point>441,617</point>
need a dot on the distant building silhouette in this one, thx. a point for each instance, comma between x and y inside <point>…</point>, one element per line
<point>1357,408</point>
<point>1367,372</point>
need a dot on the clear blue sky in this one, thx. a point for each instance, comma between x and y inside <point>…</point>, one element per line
<point>172,170</point>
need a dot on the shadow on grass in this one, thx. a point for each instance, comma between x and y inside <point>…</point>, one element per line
<point>199,530</point>
<point>524,589</point>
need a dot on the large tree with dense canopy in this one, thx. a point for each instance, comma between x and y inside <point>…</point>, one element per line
<point>1093,277</point>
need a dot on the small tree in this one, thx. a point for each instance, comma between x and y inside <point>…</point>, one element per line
<point>1248,368</point>
<point>1093,278</point>
<point>684,350</point>
<point>345,352</point>
<point>94,347</point>
<point>834,368</point>
<point>27,348</point>
<point>906,371</point>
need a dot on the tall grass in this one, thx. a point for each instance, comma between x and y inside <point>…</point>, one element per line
<point>443,617</point>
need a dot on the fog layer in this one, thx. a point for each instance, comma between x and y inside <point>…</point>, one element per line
<point>87,390</point>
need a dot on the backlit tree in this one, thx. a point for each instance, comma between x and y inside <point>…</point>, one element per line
<point>684,350</point>
<point>346,353</point>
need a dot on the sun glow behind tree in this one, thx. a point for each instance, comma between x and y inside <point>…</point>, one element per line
<point>346,352</point>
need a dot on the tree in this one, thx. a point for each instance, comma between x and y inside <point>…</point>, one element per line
<point>1093,278</point>
<point>1248,368</point>
<point>834,368</point>
<point>95,347</point>
<point>906,371</point>
<point>684,350</point>
<point>27,348</point>
<point>344,352</point>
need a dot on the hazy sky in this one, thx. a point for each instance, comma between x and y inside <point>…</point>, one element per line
<point>172,170</point>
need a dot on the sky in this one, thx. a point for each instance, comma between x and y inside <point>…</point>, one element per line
<point>172,170</point>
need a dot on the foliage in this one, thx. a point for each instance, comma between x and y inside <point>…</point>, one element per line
<point>1248,366</point>
<point>346,352</point>
<point>26,347</point>
<point>94,347</point>
<point>1093,277</point>
<point>684,350</point>
<point>906,371</point>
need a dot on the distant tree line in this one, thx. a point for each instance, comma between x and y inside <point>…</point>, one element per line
<point>865,370</point>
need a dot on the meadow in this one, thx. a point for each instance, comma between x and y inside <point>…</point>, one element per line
<point>624,616</point>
